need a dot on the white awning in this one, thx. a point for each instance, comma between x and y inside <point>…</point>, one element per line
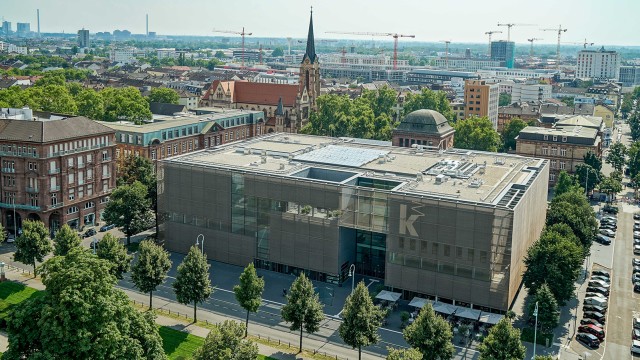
<point>388,296</point>
<point>443,308</point>
<point>490,318</point>
<point>468,313</point>
<point>418,302</point>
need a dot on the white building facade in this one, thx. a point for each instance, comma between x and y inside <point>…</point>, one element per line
<point>598,64</point>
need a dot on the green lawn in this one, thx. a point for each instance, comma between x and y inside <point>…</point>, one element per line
<point>179,345</point>
<point>12,293</point>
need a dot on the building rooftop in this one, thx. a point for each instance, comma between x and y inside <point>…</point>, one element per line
<point>573,134</point>
<point>425,122</point>
<point>455,174</point>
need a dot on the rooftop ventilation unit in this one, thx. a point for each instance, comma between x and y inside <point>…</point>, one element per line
<point>263,159</point>
<point>281,166</point>
<point>441,179</point>
<point>419,177</point>
<point>247,151</point>
<point>499,160</point>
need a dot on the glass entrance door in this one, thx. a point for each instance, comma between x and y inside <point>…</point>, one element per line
<point>371,251</point>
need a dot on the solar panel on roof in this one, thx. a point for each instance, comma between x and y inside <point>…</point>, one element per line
<point>342,155</point>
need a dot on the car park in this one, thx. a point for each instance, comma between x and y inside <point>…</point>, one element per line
<point>636,227</point>
<point>107,227</point>
<point>595,316</point>
<point>601,273</point>
<point>599,283</point>
<point>636,241</point>
<point>592,322</point>
<point>604,240</point>
<point>592,329</point>
<point>636,234</point>
<point>607,232</point>
<point>89,233</point>
<point>589,340</point>
<point>609,227</point>
<point>598,289</point>
<point>594,308</point>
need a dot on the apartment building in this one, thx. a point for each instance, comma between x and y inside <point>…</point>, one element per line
<point>56,169</point>
<point>598,64</point>
<point>481,99</point>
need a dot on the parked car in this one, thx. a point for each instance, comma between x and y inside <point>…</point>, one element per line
<point>636,286</point>
<point>590,340</point>
<point>592,322</point>
<point>635,278</point>
<point>609,226</point>
<point>610,217</point>
<point>107,227</point>
<point>592,329</point>
<point>11,238</point>
<point>635,346</point>
<point>595,294</point>
<point>604,240</point>
<point>636,249</point>
<point>601,273</point>
<point>636,227</point>
<point>610,209</point>
<point>635,334</point>
<point>635,262</point>
<point>636,234</point>
<point>636,241</point>
<point>594,308</point>
<point>636,322</point>
<point>89,233</point>
<point>601,278</point>
<point>636,269</point>
<point>599,283</point>
<point>636,216</point>
<point>595,316</point>
<point>598,289</point>
<point>607,232</point>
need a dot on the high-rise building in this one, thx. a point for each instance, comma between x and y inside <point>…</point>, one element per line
<point>481,99</point>
<point>598,64</point>
<point>629,75</point>
<point>83,38</point>
<point>503,51</point>
<point>23,29</point>
<point>6,27</point>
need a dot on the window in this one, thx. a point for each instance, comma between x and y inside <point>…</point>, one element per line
<point>89,189</point>
<point>401,242</point>
<point>89,174</point>
<point>434,248</point>
<point>70,162</point>
<point>80,192</point>
<point>33,199</point>
<point>105,155</point>
<point>153,154</point>
<point>563,152</point>
<point>564,139</point>
<point>184,146</point>
<point>190,145</point>
<point>33,166</point>
<point>562,165</point>
<point>545,151</point>
<point>89,158</point>
<point>553,164</point>
<point>555,138</point>
<point>546,137</point>
<point>105,171</point>
<point>105,185</point>
<point>89,205</point>
<point>184,132</point>
<point>71,178</point>
<point>552,177</point>
<point>554,151</point>
<point>175,148</point>
<point>447,250</point>
<point>72,194</point>
<point>54,199</point>
<point>164,135</point>
<point>72,210</point>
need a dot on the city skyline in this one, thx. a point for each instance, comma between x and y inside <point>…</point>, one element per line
<point>464,22</point>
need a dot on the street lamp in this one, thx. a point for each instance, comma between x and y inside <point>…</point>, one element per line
<point>535,331</point>
<point>2,276</point>
<point>201,244</point>
<point>352,273</point>
<point>93,243</point>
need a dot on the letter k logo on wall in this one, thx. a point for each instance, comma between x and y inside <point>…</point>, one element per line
<point>406,224</point>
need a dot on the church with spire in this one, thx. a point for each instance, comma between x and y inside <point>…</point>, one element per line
<point>286,107</point>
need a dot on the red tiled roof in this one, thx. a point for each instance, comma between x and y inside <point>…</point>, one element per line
<point>265,93</point>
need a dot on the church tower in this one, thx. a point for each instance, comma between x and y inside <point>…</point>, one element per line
<point>309,81</point>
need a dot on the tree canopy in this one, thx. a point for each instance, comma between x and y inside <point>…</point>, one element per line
<point>548,310</point>
<point>616,156</point>
<point>510,132</point>
<point>66,239</point>
<point>431,100</point>
<point>476,133</point>
<point>303,308</point>
<point>33,245</point>
<point>112,250</point>
<point>505,99</point>
<point>431,335</point>
<point>192,284</point>
<point>151,268</point>
<point>502,343</point>
<point>404,354</point>
<point>129,208</point>
<point>125,104</point>
<point>249,291</point>
<point>565,183</point>
<point>224,342</point>
<point>81,315</point>
<point>163,95</point>
<point>361,319</point>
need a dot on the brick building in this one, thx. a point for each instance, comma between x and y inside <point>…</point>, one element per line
<point>424,127</point>
<point>56,169</point>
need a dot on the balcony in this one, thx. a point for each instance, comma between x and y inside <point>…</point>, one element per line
<point>105,159</point>
<point>19,206</point>
<point>54,171</point>
<point>31,189</point>
<point>55,206</point>
<point>8,170</point>
<point>55,188</point>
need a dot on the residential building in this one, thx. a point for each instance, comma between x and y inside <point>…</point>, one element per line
<point>190,100</point>
<point>522,93</point>
<point>564,146</point>
<point>23,29</point>
<point>465,64</point>
<point>83,39</point>
<point>124,56</point>
<point>458,108</point>
<point>175,135</point>
<point>56,169</point>
<point>481,99</point>
<point>598,64</point>
<point>606,112</point>
<point>524,111</point>
<point>629,75</point>
<point>166,53</point>
<point>424,128</point>
<point>452,225</point>
<point>6,27</point>
<point>249,55</point>
<point>503,51</point>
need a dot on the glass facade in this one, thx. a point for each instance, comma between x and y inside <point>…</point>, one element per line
<point>370,253</point>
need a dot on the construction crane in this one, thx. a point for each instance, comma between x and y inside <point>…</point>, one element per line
<point>531,41</point>
<point>491,33</point>
<point>560,30</point>
<point>395,37</point>
<point>241,33</point>
<point>260,54</point>
<point>509,26</point>
<point>446,52</point>
<point>586,43</point>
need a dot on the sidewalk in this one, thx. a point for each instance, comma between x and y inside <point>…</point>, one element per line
<point>186,326</point>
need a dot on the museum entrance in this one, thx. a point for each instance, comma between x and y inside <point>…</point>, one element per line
<point>371,249</point>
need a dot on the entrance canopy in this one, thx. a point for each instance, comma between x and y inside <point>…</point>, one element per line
<point>443,308</point>
<point>468,313</point>
<point>418,302</point>
<point>388,296</point>
<point>490,318</point>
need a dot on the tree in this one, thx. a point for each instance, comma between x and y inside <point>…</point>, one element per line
<point>587,176</point>
<point>502,343</point>
<point>66,239</point>
<point>361,319</point>
<point>592,160</point>
<point>303,308</point>
<point>33,245</point>
<point>510,132</point>
<point>610,185</point>
<point>219,54</point>
<point>404,354</point>
<point>125,104</point>
<point>90,104</point>
<point>431,335</point>
<point>132,168</point>
<point>128,209</point>
<point>151,268</point>
<point>568,101</point>
<point>505,99</point>
<point>277,52</point>
<point>249,292</point>
<point>192,283</point>
<point>431,100</point>
<point>476,133</point>
<point>543,357</point>
<point>3,234</point>
<point>81,315</point>
<point>572,208</point>
<point>634,159</point>
<point>163,95</point>
<point>556,260</point>
<point>565,183</point>
<point>616,157</point>
<point>112,250</point>
<point>548,310</point>
<point>224,342</point>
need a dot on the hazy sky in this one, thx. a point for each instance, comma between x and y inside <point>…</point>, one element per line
<point>604,22</point>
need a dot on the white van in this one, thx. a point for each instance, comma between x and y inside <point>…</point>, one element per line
<point>597,301</point>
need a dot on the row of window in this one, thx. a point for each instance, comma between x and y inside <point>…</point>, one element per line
<point>554,151</point>
<point>19,150</point>
<point>79,144</point>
